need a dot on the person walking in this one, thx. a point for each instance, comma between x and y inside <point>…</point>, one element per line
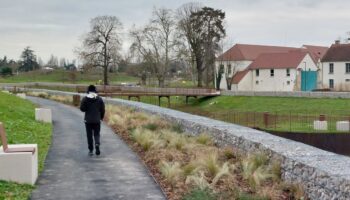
<point>94,109</point>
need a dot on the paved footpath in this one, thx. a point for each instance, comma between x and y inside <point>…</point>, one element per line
<point>71,174</point>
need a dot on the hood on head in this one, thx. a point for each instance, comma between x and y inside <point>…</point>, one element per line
<point>92,95</point>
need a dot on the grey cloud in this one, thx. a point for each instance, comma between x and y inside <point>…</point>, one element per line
<point>55,26</point>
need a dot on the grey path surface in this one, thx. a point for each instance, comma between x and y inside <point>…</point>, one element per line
<point>71,174</point>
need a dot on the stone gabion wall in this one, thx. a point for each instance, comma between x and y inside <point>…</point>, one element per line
<point>323,174</point>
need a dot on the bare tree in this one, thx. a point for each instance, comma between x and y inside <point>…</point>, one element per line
<point>155,43</point>
<point>53,62</point>
<point>193,38</point>
<point>102,44</point>
<point>230,69</point>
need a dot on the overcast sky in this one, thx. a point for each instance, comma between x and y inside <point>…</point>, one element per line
<point>56,26</point>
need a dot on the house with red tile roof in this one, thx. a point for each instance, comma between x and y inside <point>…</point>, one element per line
<point>335,68</point>
<point>278,72</point>
<point>240,56</point>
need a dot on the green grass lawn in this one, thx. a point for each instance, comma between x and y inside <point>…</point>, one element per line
<point>294,114</point>
<point>18,117</point>
<point>67,77</point>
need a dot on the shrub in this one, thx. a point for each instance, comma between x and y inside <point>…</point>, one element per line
<point>210,163</point>
<point>178,141</point>
<point>229,153</point>
<point>177,128</point>
<point>200,194</point>
<point>198,180</point>
<point>189,169</point>
<point>204,139</point>
<point>147,139</point>
<point>296,190</point>
<point>171,171</point>
<point>151,126</point>
<point>223,171</point>
<point>255,169</point>
<point>5,71</point>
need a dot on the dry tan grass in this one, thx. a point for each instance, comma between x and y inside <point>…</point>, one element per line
<point>184,162</point>
<point>38,94</point>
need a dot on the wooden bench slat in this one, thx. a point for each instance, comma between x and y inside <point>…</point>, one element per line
<point>8,149</point>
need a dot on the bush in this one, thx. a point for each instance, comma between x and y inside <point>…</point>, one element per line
<point>171,171</point>
<point>256,169</point>
<point>5,71</point>
<point>204,139</point>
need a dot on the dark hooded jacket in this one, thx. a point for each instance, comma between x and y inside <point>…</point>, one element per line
<point>94,108</point>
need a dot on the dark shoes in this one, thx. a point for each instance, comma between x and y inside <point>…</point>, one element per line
<point>91,153</point>
<point>98,150</point>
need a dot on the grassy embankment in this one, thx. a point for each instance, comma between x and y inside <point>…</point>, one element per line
<point>294,114</point>
<point>18,117</point>
<point>62,76</point>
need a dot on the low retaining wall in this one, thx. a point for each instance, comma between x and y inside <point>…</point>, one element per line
<point>345,95</point>
<point>324,175</point>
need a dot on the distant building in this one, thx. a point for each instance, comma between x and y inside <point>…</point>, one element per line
<point>291,71</point>
<point>336,67</point>
<point>236,60</point>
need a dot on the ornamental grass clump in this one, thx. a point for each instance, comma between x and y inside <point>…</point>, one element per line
<point>44,95</point>
<point>204,139</point>
<point>256,169</point>
<point>183,163</point>
<point>171,171</point>
<point>147,139</point>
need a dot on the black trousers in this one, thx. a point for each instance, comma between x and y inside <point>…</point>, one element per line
<point>93,133</point>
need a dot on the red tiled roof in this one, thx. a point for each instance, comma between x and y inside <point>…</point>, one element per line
<point>316,52</point>
<point>239,76</point>
<point>278,60</point>
<point>241,52</point>
<point>337,53</point>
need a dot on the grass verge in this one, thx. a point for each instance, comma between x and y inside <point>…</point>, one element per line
<point>18,117</point>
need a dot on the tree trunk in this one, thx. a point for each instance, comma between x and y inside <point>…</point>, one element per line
<point>199,64</point>
<point>105,67</point>
<point>161,82</point>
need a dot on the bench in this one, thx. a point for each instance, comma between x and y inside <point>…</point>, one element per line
<point>19,162</point>
<point>43,115</point>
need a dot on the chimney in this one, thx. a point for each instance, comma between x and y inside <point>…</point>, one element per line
<point>337,42</point>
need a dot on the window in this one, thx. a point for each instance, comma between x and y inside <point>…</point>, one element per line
<point>229,69</point>
<point>272,72</point>
<point>331,68</point>
<point>347,68</point>
<point>256,82</point>
<point>331,83</point>
<point>288,82</point>
<point>288,72</point>
<point>257,73</point>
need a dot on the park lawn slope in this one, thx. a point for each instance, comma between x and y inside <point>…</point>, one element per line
<point>274,104</point>
<point>63,76</point>
<point>18,117</point>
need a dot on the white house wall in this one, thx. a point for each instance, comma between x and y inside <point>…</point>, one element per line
<point>339,76</point>
<point>279,82</point>
<point>264,82</point>
<point>307,64</point>
<point>246,83</point>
